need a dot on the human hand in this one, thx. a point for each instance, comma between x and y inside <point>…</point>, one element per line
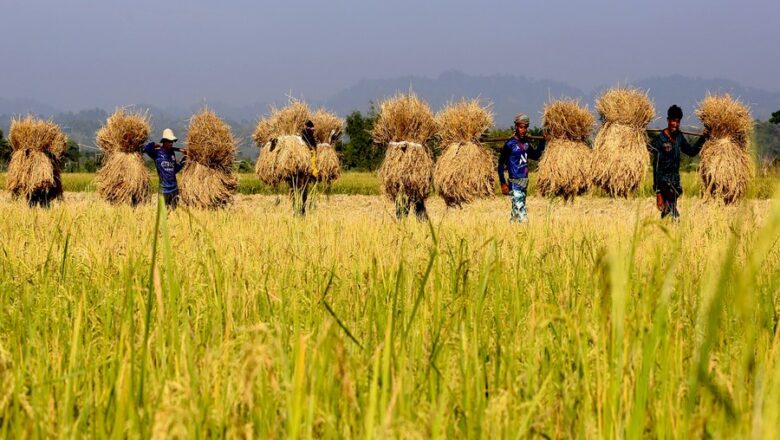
<point>504,189</point>
<point>659,201</point>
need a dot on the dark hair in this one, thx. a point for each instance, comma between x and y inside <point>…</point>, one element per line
<point>309,124</point>
<point>674,112</point>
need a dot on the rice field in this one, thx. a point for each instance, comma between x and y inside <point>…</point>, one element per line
<point>593,320</point>
<point>366,183</point>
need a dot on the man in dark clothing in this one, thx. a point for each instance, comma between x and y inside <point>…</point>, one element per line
<point>300,185</point>
<point>666,149</point>
<point>514,157</point>
<point>403,207</point>
<point>164,156</point>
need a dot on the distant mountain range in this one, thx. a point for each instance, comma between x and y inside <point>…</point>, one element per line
<point>508,94</point>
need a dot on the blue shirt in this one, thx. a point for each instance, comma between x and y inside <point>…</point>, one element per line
<point>514,156</point>
<point>167,167</point>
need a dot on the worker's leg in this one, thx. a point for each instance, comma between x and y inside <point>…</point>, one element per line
<point>670,201</point>
<point>420,211</point>
<point>171,200</point>
<point>402,207</point>
<point>519,213</point>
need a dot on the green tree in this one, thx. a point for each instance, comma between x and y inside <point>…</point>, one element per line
<point>70,160</point>
<point>359,150</point>
<point>5,151</point>
<point>775,119</point>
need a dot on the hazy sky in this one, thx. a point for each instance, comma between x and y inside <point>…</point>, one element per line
<point>80,53</point>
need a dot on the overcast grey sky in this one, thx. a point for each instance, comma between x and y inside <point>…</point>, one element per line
<point>80,53</point>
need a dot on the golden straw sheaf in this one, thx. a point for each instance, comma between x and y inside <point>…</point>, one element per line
<point>620,159</point>
<point>564,169</point>
<point>404,124</point>
<point>34,169</point>
<point>123,177</point>
<point>208,179</point>
<point>465,171</point>
<point>726,166</point>
<point>283,153</point>
<point>328,129</point>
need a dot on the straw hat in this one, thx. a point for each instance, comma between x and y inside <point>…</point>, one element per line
<point>168,135</point>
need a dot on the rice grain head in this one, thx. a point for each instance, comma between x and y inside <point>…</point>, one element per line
<point>289,120</point>
<point>566,119</point>
<point>462,121</point>
<point>404,118</point>
<point>123,131</point>
<point>30,133</point>
<point>627,106</point>
<point>328,127</point>
<point>726,117</point>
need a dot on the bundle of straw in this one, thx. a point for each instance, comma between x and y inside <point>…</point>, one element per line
<point>405,123</point>
<point>327,131</point>
<point>564,169</point>
<point>726,166</point>
<point>283,153</point>
<point>620,158</point>
<point>265,168</point>
<point>34,169</point>
<point>208,180</point>
<point>466,170</point>
<point>123,178</point>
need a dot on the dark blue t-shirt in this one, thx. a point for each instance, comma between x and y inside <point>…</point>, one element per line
<point>514,157</point>
<point>167,167</point>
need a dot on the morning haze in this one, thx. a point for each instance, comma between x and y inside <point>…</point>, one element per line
<point>86,53</point>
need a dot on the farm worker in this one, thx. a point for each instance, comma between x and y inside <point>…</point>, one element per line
<point>402,209</point>
<point>666,150</point>
<point>514,157</point>
<point>164,156</point>
<point>301,184</point>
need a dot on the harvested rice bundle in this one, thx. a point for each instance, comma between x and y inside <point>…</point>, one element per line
<point>620,158</point>
<point>34,169</point>
<point>123,178</point>
<point>283,153</point>
<point>327,131</point>
<point>208,180</point>
<point>265,168</point>
<point>404,124</point>
<point>465,171</point>
<point>726,166</point>
<point>564,169</point>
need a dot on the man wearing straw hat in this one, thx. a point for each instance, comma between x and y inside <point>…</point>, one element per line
<point>666,149</point>
<point>164,156</point>
<point>514,157</point>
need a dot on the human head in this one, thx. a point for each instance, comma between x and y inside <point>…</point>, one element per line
<point>168,138</point>
<point>521,124</point>
<point>673,117</point>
